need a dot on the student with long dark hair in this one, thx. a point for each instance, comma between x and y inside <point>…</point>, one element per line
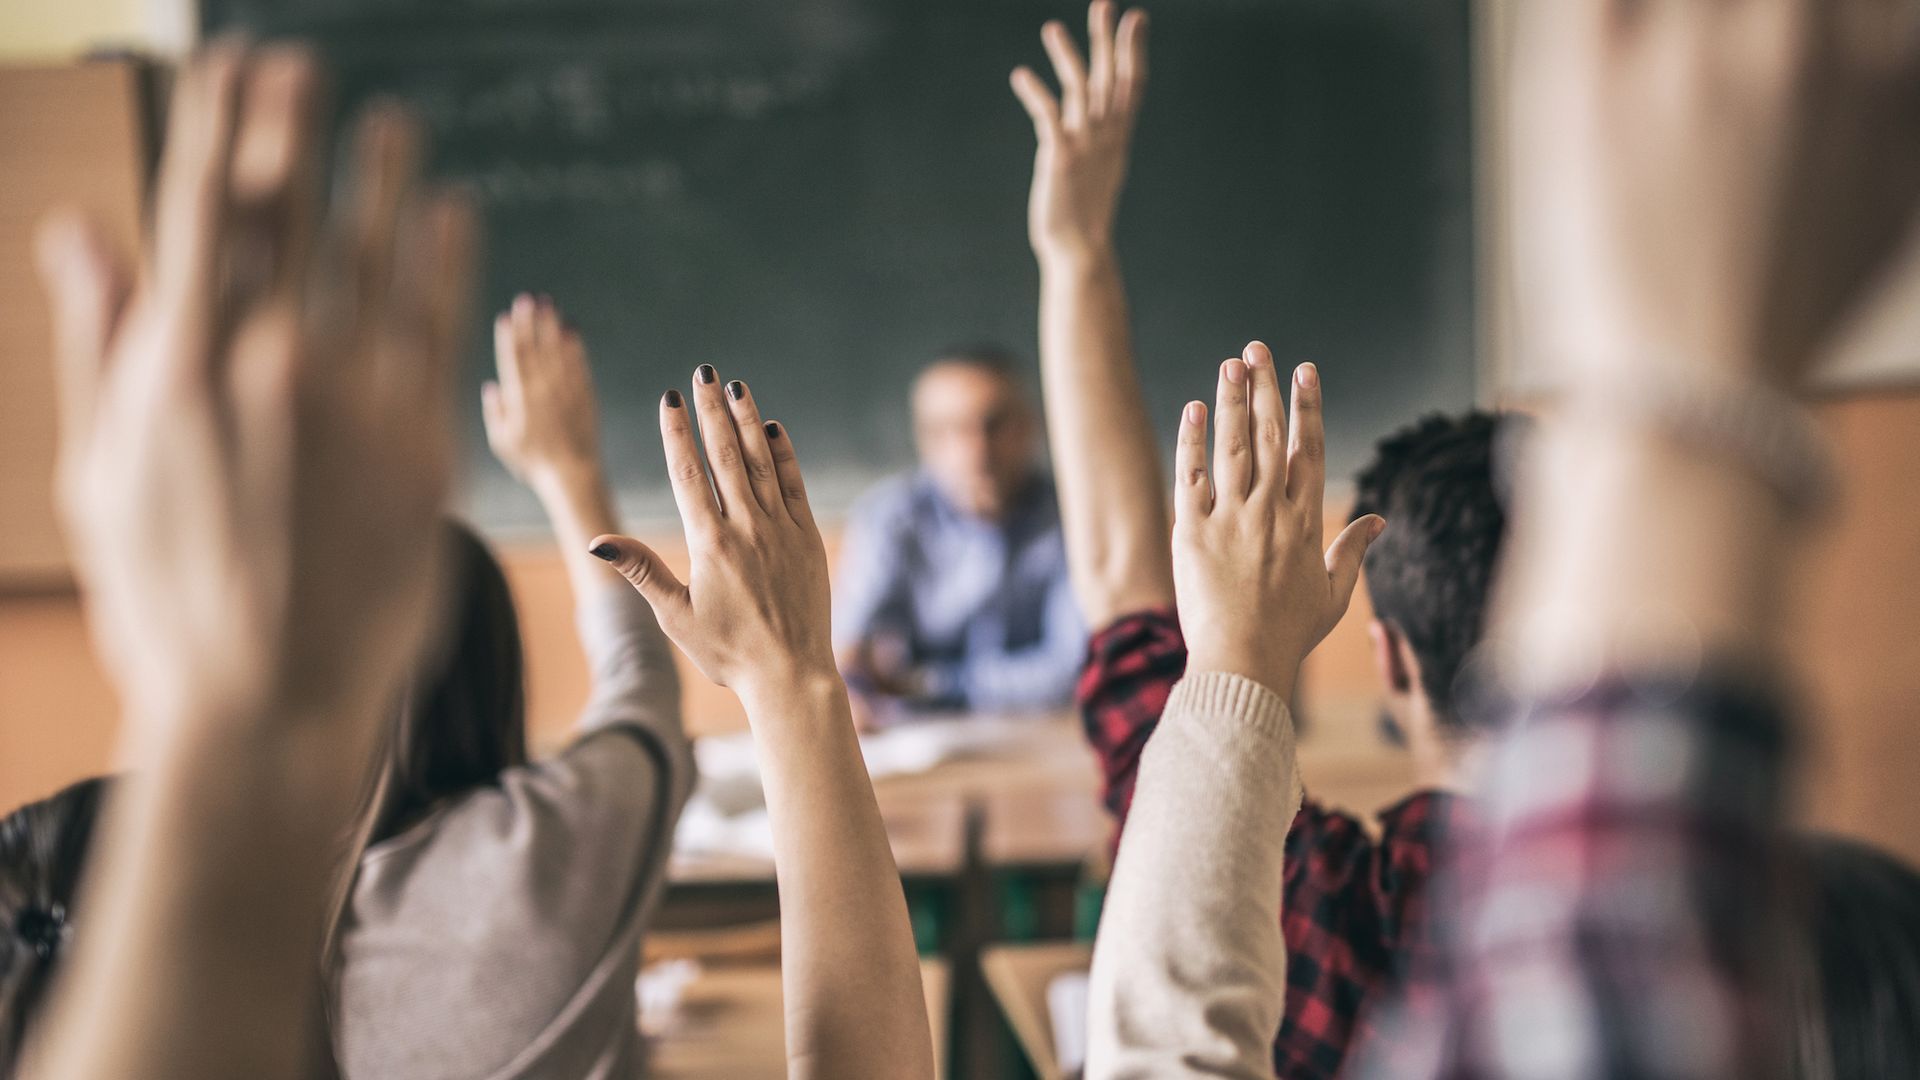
<point>43,846</point>
<point>493,927</point>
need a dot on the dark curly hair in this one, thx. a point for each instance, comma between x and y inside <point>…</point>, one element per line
<point>1428,574</point>
<point>43,846</point>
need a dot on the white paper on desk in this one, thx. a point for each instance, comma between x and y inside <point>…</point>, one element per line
<point>1067,1008</point>
<point>727,814</point>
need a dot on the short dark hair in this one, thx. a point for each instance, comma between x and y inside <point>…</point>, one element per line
<point>464,720</point>
<point>1428,574</point>
<point>43,847</point>
<point>1858,989</point>
<point>988,356</point>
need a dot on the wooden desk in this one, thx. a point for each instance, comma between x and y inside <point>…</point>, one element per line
<point>1019,976</point>
<point>732,1026</point>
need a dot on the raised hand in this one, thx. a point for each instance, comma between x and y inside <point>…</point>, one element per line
<point>541,416</point>
<point>256,445</point>
<point>1080,164</point>
<point>253,461</point>
<point>753,616</point>
<point>1255,590</point>
<point>754,613</point>
<point>1716,183</point>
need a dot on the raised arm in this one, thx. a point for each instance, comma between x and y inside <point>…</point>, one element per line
<point>253,469</point>
<point>1732,217</point>
<point>543,424</point>
<point>1107,465</point>
<point>1189,971</point>
<point>754,617</point>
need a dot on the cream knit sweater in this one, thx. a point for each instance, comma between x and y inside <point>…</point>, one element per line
<point>1189,969</point>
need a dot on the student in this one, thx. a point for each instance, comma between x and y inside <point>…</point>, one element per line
<point>1352,907</point>
<point>43,846</point>
<point>754,616</point>
<point>1623,912</point>
<point>481,862</point>
<point>1197,986</point>
<point>953,584</point>
<point>252,493</point>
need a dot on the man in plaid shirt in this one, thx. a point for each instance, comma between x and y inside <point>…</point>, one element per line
<point>1353,909</point>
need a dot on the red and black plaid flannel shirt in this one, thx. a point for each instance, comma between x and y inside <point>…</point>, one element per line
<point>1353,910</point>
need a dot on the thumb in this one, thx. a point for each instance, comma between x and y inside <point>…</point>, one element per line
<point>640,565</point>
<point>1347,552</point>
<point>88,286</point>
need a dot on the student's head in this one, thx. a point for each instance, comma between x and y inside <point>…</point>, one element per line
<point>463,720</point>
<point>42,848</point>
<point>1857,990</point>
<point>975,429</point>
<point>1428,574</point>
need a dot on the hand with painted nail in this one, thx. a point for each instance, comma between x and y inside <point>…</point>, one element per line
<point>753,615</point>
<point>1256,592</point>
<point>1080,163</point>
<point>754,612</point>
<point>541,415</point>
<point>277,447</point>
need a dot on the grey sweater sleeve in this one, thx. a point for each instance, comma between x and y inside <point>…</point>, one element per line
<point>634,680</point>
<point>1189,969</point>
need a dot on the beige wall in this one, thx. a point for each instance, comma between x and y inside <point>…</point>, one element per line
<point>41,30</point>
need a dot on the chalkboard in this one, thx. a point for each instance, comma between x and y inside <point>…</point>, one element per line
<point>818,195</point>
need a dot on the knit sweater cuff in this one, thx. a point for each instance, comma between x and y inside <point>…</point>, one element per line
<point>1235,700</point>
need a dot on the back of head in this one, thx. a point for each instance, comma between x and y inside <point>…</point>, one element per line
<point>1429,574</point>
<point>464,718</point>
<point>43,847</point>
<point>1858,1007</point>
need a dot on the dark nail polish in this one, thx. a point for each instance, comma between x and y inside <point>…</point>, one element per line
<point>673,399</point>
<point>773,429</point>
<point>736,389</point>
<point>604,552</point>
<point>705,374</point>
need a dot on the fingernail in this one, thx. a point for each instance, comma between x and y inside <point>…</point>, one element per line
<point>1236,371</point>
<point>736,389</point>
<point>1308,375</point>
<point>603,552</point>
<point>1379,526</point>
<point>705,374</point>
<point>545,300</point>
<point>673,399</point>
<point>773,430</point>
<point>1254,354</point>
<point>1196,413</point>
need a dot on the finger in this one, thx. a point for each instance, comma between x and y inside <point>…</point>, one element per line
<point>649,574</point>
<point>686,469</point>
<point>493,412</point>
<point>1192,496</point>
<point>520,334</point>
<point>1041,108</point>
<point>386,162</point>
<point>1307,443</point>
<point>786,468</point>
<point>546,324</point>
<point>275,178</point>
<point>1068,69</point>
<point>1099,57</point>
<point>1268,418</point>
<point>1349,552</point>
<point>1130,61</point>
<point>1232,435</point>
<point>722,443</point>
<point>88,285</point>
<point>754,451</point>
<point>191,203</point>
<point>444,284</point>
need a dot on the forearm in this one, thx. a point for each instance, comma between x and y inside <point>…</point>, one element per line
<point>854,1004</point>
<point>207,897</point>
<point>579,506</point>
<point>1189,969</point>
<point>1107,464</point>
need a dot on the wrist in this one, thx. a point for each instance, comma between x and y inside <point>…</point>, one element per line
<point>1278,677</point>
<point>1080,254</point>
<point>568,481</point>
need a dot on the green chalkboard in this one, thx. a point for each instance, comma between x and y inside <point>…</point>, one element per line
<point>817,195</point>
